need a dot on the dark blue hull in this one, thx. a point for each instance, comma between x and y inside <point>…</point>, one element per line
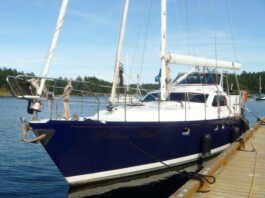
<point>91,147</point>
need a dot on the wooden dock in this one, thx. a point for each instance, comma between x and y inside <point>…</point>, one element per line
<point>238,173</point>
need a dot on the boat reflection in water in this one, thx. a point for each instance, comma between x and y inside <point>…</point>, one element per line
<point>161,185</point>
<point>158,184</point>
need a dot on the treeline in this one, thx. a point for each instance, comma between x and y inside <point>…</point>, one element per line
<point>92,85</point>
<point>4,72</point>
<point>247,80</point>
<point>82,85</point>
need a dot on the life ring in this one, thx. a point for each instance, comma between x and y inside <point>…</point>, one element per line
<point>25,129</point>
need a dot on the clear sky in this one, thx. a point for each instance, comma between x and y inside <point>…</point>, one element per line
<point>88,41</point>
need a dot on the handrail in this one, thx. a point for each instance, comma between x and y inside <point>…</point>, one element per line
<point>78,81</point>
<point>11,87</point>
<point>93,99</point>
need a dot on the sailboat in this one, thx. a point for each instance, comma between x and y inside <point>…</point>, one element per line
<point>260,96</point>
<point>186,119</point>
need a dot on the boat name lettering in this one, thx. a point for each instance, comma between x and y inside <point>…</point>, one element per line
<point>115,135</point>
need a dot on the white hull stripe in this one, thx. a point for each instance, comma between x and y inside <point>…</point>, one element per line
<point>74,180</point>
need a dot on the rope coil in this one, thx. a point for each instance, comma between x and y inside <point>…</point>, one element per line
<point>25,129</point>
<point>199,177</point>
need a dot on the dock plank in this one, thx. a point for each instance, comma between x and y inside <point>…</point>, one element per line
<point>238,173</point>
<point>244,173</point>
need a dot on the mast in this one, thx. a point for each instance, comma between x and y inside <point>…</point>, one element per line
<point>48,60</point>
<point>164,63</point>
<point>260,88</point>
<point>118,54</point>
<point>127,74</point>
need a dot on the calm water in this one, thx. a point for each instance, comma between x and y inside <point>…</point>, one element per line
<point>27,171</point>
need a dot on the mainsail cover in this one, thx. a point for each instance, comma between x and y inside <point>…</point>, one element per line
<point>198,61</point>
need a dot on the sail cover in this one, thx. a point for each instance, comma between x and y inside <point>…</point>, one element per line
<point>198,61</point>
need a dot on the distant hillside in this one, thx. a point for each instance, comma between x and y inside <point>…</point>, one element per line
<point>4,72</point>
<point>248,81</point>
<point>87,83</point>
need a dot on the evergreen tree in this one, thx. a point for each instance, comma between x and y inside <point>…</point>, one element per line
<point>248,81</point>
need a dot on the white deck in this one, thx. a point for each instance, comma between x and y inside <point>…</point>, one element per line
<point>171,111</point>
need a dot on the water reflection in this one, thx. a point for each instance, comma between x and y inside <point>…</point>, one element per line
<point>161,185</point>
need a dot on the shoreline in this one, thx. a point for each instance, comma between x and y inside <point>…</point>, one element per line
<point>5,94</point>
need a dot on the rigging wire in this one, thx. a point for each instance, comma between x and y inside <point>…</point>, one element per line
<point>214,29</point>
<point>205,49</point>
<point>136,47</point>
<point>182,4</point>
<point>177,17</point>
<point>145,38</point>
<point>185,9</point>
<point>214,13</point>
<point>191,49</point>
<point>203,33</point>
<point>231,29</point>
<point>190,42</point>
<point>134,57</point>
<point>189,175</point>
<point>233,43</point>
